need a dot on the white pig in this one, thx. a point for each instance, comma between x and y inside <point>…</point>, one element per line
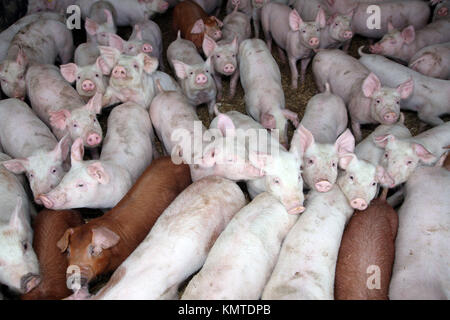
<point>261,81</point>
<point>59,106</point>
<point>421,249</point>
<point>236,24</point>
<point>430,96</point>
<point>253,239</point>
<point>39,42</point>
<point>193,73</point>
<point>433,61</point>
<point>19,267</point>
<point>307,261</point>
<point>126,153</point>
<point>86,54</point>
<point>442,9</point>
<point>178,244</point>
<point>34,148</point>
<point>321,139</point>
<point>100,22</point>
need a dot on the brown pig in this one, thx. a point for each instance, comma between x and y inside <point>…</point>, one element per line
<point>101,245</point>
<point>366,255</point>
<point>194,23</point>
<point>49,226</point>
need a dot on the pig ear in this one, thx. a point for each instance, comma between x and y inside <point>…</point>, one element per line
<point>382,177</point>
<point>331,3</point>
<point>110,55</point>
<point>382,141</point>
<point>109,17</point>
<point>61,150</point>
<point>260,160</point>
<point>91,27</point>
<point>199,27</point>
<point>208,45</point>
<point>21,58</point>
<point>63,243</point>
<point>103,238</point>
<point>226,125</point>
<point>17,220</point>
<point>305,138</point>
<point>290,115</point>
<point>345,143</point>
<point>295,21</point>
<point>104,68</point>
<point>97,172</point>
<point>424,155</point>
<point>406,88</point>
<point>331,18</point>
<point>16,166</point>
<point>150,63</point>
<point>409,34</point>
<point>371,85</point>
<point>321,18</point>
<point>69,72</point>
<point>138,32</point>
<point>234,44</point>
<point>390,26</point>
<point>58,119</point>
<point>219,23</point>
<point>77,151</point>
<point>346,159</point>
<point>268,121</point>
<point>115,41</point>
<point>95,103</point>
<point>180,69</point>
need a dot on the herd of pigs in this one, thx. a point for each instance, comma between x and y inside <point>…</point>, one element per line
<point>313,229</point>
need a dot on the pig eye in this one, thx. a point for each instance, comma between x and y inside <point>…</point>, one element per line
<point>374,184</point>
<point>191,73</point>
<point>91,250</point>
<point>25,245</point>
<point>80,185</point>
<point>333,164</point>
<point>54,170</point>
<point>409,162</point>
<point>398,102</point>
<point>218,56</point>
<point>135,66</point>
<point>378,101</point>
<point>30,176</point>
<point>276,180</point>
<point>97,75</point>
<point>207,71</point>
<point>386,155</point>
<point>352,178</point>
<point>75,125</point>
<point>310,161</point>
<point>336,24</point>
<point>78,77</point>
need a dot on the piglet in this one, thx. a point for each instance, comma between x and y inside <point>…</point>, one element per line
<point>421,256</point>
<point>321,139</point>
<point>193,23</point>
<point>102,244</point>
<point>86,54</point>
<point>254,249</point>
<point>297,37</point>
<point>433,61</point>
<point>19,267</point>
<point>193,73</point>
<point>366,255</point>
<point>236,24</point>
<point>34,148</point>
<point>126,152</point>
<point>39,42</point>
<point>59,106</point>
<point>49,226</point>
<point>100,22</point>
<point>178,244</point>
<point>261,81</point>
<point>362,91</point>
<point>307,261</point>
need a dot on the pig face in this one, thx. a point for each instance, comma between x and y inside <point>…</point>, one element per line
<point>385,102</point>
<point>79,186</point>
<point>127,71</point>
<point>12,76</point>
<point>308,32</point>
<point>89,79</point>
<point>197,77</point>
<point>442,10</point>
<point>401,158</point>
<point>226,155</point>
<point>282,178</point>
<point>320,168</point>
<point>340,27</point>
<point>211,27</point>
<point>88,248</point>
<point>359,181</point>
<point>131,47</point>
<point>99,32</point>
<point>159,6</point>
<point>223,56</point>
<point>392,42</point>
<point>44,169</point>
<point>19,267</point>
<point>81,122</point>
<point>257,4</point>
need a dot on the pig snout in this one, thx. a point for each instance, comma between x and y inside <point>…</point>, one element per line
<point>228,68</point>
<point>375,48</point>
<point>93,139</point>
<point>163,6</point>
<point>119,72</point>
<point>442,12</point>
<point>359,204</point>
<point>76,280</point>
<point>146,48</point>
<point>348,34</point>
<point>52,202</point>
<point>88,85</point>
<point>29,281</point>
<point>314,42</point>
<point>201,79</point>
<point>323,186</point>
<point>390,117</point>
<point>294,207</point>
<point>217,35</point>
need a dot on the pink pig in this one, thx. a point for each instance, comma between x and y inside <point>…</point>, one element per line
<point>100,22</point>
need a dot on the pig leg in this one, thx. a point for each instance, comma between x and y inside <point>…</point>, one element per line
<point>356,127</point>
<point>218,81</point>
<point>281,55</point>
<point>211,105</point>
<point>304,66</point>
<point>347,45</point>
<point>95,154</point>
<point>268,38</point>
<point>294,72</point>
<point>233,83</point>
<point>397,198</point>
<point>425,114</point>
